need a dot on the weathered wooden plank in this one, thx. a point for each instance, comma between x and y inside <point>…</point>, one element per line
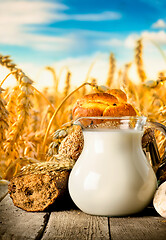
<point>74,225</point>
<point>17,224</point>
<point>3,189</point>
<point>138,228</point>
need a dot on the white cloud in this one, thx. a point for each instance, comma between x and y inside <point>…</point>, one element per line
<point>91,17</point>
<point>79,67</point>
<point>96,17</point>
<point>159,24</point>
<point>130,41</point>
<point>114,42</point>
<point>24,12</point>
<point>158,37</point>
<point>18,37</point>
<point>20,20</point>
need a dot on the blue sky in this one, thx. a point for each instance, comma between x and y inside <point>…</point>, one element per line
<point>44,32</point>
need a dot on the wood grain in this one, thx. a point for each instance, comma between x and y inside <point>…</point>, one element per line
<point>17,224</point>
<point>138,228</point>
<point>76,225</point>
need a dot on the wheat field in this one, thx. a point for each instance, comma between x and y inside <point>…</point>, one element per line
<point>29,119</point>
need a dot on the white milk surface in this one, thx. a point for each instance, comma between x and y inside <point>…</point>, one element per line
<point>112,176</point>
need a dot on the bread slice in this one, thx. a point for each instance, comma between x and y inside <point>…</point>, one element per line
<point>38,186</point>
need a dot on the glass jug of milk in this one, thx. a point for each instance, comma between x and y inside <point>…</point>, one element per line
<point>112,176</point>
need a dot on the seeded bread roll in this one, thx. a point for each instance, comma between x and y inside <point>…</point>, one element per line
<point>38,186</point>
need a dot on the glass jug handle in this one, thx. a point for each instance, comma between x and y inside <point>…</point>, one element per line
<point>160,162</point>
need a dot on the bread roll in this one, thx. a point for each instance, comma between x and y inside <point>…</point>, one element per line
<point>104,98</point>
<point>112,103</point>
<point>119,110</point>
<point>119,94</point>
<point>93,105</point>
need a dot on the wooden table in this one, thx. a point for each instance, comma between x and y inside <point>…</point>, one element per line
<point>16,224</point>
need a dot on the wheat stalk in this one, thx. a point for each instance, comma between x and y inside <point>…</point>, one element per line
<point>12,169</point>
<point>43,96</point>
<point>7,77</point>
<point>11,105</point>
<point>125,77</point>
<point>3,121</point>
<point>52,70</point>
<point>84,90</point>
<point>35,120</point>
<point>57,110</point>
<point>24,105</point>
<point>111,72</point>
<point>28,127</point>
<point>139,60</point>
<point>98,88</point>
<point>118,81</point>
<point>67,84</point>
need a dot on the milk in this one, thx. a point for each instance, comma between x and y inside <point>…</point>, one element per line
<point>112,176</point>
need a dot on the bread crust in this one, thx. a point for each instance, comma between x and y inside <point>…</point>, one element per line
<point>36,189</point>
<point>112,103</point>
<point>93,105</point>
<point>119,110</point>
<point>119,94</point>
<point>105,98</point>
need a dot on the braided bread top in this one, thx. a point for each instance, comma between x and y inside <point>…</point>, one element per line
<point>112,103</point>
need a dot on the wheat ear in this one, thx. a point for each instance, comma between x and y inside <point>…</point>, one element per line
<point>3,120</point>
<point>24,105</point>
<point>57,110</point>
<point>67,84</point>
<point>139,60</point>
<point>111,73</point>
<point>11,105</point>
<point>42,95</point>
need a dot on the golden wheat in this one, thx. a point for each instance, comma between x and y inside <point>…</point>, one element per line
<point>24,104</point>
<point>112,66</point>
<point>11,99</point>
<point>67,84</point>
<point>30,115</point>
<point>3,121</point>
<point>139,60</point>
